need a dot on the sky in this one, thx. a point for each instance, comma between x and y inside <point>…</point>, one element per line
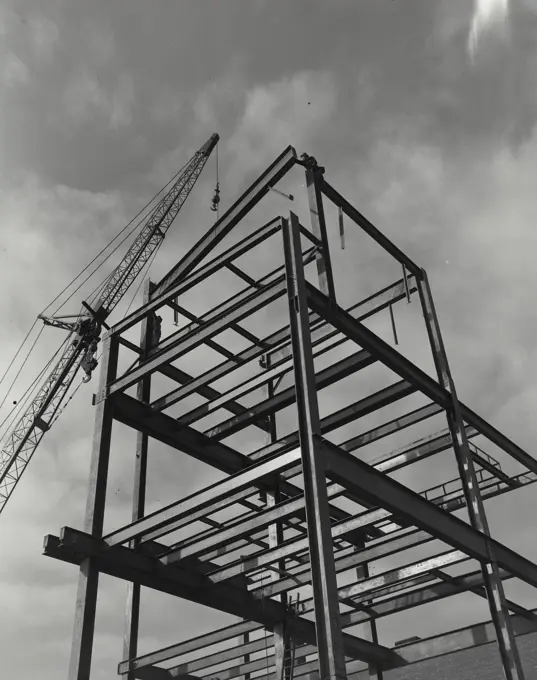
<point>424,118</point>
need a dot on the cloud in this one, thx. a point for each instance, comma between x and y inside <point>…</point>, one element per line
<point>14,70</point>
<point>85,98</point>
<point>288,111</point>
<point>45,35</point>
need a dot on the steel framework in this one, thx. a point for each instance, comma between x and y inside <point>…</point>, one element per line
<point>288,559</point>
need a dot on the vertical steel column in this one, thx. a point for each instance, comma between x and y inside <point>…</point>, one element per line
<point>275,538</point>
<point>143,393</point>
<point>324,582</point>
<point>476,510</point>
<point>243,640</point>
<point>318,227</point>
<point>368,630</point>
<point>88,580</point>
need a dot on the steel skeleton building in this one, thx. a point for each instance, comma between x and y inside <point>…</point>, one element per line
<point>278,563</point>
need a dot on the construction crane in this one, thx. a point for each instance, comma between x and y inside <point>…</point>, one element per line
<point>85,329</point>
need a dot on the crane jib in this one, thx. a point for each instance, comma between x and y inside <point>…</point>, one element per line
<point>45,407</point>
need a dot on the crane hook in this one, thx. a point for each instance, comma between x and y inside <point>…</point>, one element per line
<point>216,195</point>
<point>216,198</point>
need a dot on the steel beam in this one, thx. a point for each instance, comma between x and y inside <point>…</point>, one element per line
<point>88,581</point>
<point>422,595</point>
<point>395,425</point>
<point>396,541</point>
<point>428,648</point>
<point>512,665</point>
<point>266,470</point>
<point>124,563</point>
<point>189,338</point>
<point>321,331</point>
<point>376,584</point>
<point>363,439</point>
<point>191,645</point>
<point>382,299</point>
<point>132,616</point>
<point>211,344</point>
<point>167,430</point>
<point>377,488</point>
<point>201,274</point>
<point>228,538</point>
<point>348,414</point>
<point>314,176</point>
<point>275,538</point>
<point>183,378</point>
<point>225,540</point>
<point>369,228</point>
<point>341,369</point>
<point>250,337</point>
<point>225,224</point>
<point>408,371</point>
<point>234,393</point>
<point>295,547</point>
<point>329,633</point>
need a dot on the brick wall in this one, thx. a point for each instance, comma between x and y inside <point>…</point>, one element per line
<point>477,663</point>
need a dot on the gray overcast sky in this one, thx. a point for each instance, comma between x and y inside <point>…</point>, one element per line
<point>102,102</point>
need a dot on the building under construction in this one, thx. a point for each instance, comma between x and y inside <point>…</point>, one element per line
<point>287,538</point>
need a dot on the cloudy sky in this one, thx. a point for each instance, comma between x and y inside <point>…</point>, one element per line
<point>102,102</point>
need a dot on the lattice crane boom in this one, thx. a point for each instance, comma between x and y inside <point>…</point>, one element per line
<point>25,436</point>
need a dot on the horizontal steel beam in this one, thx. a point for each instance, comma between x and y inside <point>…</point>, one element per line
<point>234,393</point>
<point>229,219</point>
<point>264,471</point>
<point>321,331</point>
<point>250,337</point>
<point>366,308</point>
<point>448,501</point>
<point>425,594</point>
<point>390,462</point>
<point>191,645</point>
<point>375,584</point>
<point>411,418</point>
<point>225,541</point>
<point>369,228</point>
<point>167,430</point>
<point>201,274</point>
<point>395,542</point>
<point>191,337</point>
<point>124,563</point>
<point>206,391</point>
<point>326,377</point>
<point>229,535</point>
<point>378,488</point>
<point>357,332</point>
<point>367,405</point>
<point>395,425</point>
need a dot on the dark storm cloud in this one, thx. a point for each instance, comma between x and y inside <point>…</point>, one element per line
<point>122,80</point>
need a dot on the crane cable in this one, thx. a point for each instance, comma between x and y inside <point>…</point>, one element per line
<point>216,196</point>
<point>21,404</point>
<point>140,212</point>
<point>21,367</point>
